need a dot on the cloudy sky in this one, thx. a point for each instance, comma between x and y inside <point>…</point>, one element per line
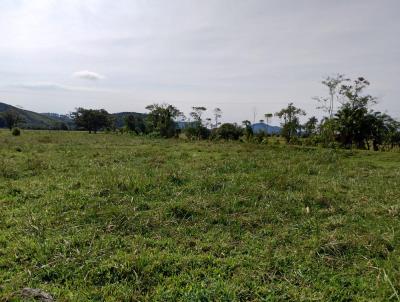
<point>239,55</point>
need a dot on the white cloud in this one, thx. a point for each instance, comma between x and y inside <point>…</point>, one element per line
<point>88,75</point>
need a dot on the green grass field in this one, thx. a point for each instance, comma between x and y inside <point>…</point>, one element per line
<point>116,218</point>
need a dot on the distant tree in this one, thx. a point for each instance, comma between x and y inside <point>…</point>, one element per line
<point>197,113</point>
<point>91,119</point>
<point>392,138</point>
<point>196,128</point>
<point>217,116</point>
<point>134,124</point>
<point>11,118</point>
<point>353,117</point>
<point>333,84</point>
<point>161,119</point>
<point>290,121</point>
<point>310,127</point>
<point>227,131</point>
<point>248,130</point>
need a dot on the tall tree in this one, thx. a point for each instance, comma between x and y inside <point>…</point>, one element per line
<point>290,120</point>
<point>334,86</point>
<point>161,119</point>
<point>197,113</point>
<point>352,117</point>
<point>196,128</point>
<point>248,129</point>
<point>217,115</point>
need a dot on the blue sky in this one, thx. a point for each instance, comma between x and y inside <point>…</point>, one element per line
<point>241,56</point>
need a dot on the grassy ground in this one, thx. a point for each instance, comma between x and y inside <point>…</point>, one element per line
<point>117,218</point>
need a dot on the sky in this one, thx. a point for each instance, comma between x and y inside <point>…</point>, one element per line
<point>247,57</point>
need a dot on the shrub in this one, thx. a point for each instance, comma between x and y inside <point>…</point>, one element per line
<point>227,131</point>
<point>197,132</point>
<point>295,141</point>
<point>16,132</point>
<point>261,138</point>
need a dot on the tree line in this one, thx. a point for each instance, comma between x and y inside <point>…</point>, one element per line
<point>348,121</point>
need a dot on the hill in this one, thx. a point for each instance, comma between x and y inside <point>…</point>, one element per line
<point>62,118</point>
<point>49,120</point>
<point>31,120</point>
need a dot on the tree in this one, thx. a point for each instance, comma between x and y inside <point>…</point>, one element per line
<point>248,130</point>
<point>352,117</point>
<point>228,131</point>
<point>333,84</point>
<point>197,113</point>
<point>217,116</point>
<point>310,126</point>
<point>196,129</point>
<point>91,119</point>
<point>134,124</point>
<point>11,118</point>
<point>161,119</point>
<point>291,123</point>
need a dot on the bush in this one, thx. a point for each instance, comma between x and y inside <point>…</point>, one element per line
<point>295,141</point>
<point>227,131</point>
<point>198,132</point>
<point>16,132</point>
<point>261,138</point>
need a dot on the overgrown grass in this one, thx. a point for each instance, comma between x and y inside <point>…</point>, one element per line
<point>118,218</point>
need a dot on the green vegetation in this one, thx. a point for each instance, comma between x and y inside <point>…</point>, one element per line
<point>11,116</point>
<point>112,217</point>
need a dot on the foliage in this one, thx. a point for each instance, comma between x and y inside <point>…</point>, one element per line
<point>134,123</point>
<point>11,118</point>
<point>291,123</point>
<point>352,118</point>
<point>16,132</point>
<point>310,127</point>
<point>334,85</point>
<point>161,119</point>
<point>248,130</point>
<point>92,119</point>
<point>196,131</point>
<point>217,115</point>
<point>227,131</point>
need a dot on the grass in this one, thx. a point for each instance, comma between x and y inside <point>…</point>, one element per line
<point>117,218</point>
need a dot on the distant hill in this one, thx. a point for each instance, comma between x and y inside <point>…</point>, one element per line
<point>62,118</point>
<point>48,120</point>
<point>262,127</point>
<point>31,120</point>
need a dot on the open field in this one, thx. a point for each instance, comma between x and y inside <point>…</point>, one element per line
<point>116,218</point>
